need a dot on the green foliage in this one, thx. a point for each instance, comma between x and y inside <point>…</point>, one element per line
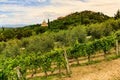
<point>43,42</point>
<point>87,49</point>
<point>6,35</point>
<point>113,23</point>
<point>12,48</point>
<point>33,61</point>
<point>97,31</point>
<point>90,49</point>
<point>44,60</point>
<point>40,44</point>
<point>79,33</point>
<point>78,50</point>
<point>2,46</point>
<point>69,37</point>
<point>84,17</point>
<point>3,75</point>
<point>107,43</point>
<point>118,35</point>
<point>117,15</point>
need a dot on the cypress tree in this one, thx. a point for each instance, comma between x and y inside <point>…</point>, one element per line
<point>117,15</point>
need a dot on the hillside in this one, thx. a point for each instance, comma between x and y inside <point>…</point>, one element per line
<point>78,18</point>
<point>66,22</point>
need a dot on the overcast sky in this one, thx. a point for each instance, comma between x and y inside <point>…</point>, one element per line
<point>35,11</point>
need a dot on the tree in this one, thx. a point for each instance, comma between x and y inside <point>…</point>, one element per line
<point>8,34</point>
<point>48,24</point>
<point>39,44</point>
<point>79,33</point>
<point>12,48</point>
<point>96,31</point>
<point>117,15</point>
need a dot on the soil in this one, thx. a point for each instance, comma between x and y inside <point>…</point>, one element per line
<point>106,70</point>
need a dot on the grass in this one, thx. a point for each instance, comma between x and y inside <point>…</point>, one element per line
<point>50,77</point>
<point>113,57</point>
<point>1,60</point>
<point>43,78</point>
<point>87,63</point>
<point>96,61</point>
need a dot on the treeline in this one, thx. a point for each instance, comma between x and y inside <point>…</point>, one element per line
<point>43,42</point>
<point>103,29</point>
<point>49,40</point>
<point>19,33</point>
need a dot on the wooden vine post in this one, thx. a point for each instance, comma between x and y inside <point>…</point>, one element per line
<point>20,77</point>
<point>67,63</point>
<point>117,45</point>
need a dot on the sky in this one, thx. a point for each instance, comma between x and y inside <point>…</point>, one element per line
<point>35,11</point>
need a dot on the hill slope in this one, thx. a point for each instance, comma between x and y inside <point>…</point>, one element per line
<point>78,18</point>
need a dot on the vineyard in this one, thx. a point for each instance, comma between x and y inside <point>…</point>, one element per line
<point>57,59</point>
<point>72,41</point>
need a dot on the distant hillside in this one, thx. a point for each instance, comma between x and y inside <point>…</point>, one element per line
<point>84,17</point>
<point>14,25</point>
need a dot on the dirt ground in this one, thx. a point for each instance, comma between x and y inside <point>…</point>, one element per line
<point>106,70</point>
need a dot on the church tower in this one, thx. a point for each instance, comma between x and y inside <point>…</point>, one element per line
<point>44,24</point>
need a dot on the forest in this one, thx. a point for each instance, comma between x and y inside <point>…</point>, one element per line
<point>47,49</point>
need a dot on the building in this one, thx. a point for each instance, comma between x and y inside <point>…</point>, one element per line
<point>44,24</point>
<point>61,17</point>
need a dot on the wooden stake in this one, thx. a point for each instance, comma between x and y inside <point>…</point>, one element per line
<point>117,46</point>
<point>67,63</point>
<point>19,73</point>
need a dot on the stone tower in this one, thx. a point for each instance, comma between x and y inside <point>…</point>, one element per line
<point>44,24</point>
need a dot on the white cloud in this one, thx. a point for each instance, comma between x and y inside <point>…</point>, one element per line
<point>41,0</point>
<point>3,0</point>
<point>3,16</point>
